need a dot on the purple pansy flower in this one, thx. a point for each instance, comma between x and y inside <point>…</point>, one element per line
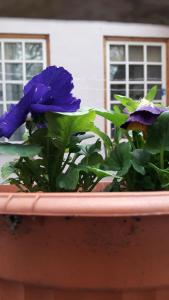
<point>49,91</point>
<point>145,115</point>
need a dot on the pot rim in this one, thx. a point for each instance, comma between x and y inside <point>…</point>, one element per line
<point>97,204</point>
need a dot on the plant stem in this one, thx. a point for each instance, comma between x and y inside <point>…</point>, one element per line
<point>130,140</point>
<point>162,158</point>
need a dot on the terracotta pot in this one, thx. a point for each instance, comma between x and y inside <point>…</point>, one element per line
<point>95,246</point>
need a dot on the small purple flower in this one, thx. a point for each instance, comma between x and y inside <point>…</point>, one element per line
<point>145,115</point>
<point>49,91</point>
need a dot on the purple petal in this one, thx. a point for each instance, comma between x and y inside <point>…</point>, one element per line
<point>73,106</point>
<point>38,93</point>
<point>145,115</point>
<point>59,102</point>
<point>48,91</point>
<point>157,110</point>
<point>16,116</point>
<point>144,118</point>
<point>58,79</point>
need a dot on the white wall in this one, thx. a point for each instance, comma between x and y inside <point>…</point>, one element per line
<point>78,46</point>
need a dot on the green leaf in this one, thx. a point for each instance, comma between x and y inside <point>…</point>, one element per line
<point>151,93</point>
<point>69,180</point>
<point>100,173</point>
<point>19,149</point>
<point>76,139</point>
<point>116,117</point>
<point>163,175</point>
<point>116,108</point>
<point>63,126</point>
<point>7,169</point>
<point>129,103</point>
<point>140,169</point>
<point>105,138</point>
<point>120,159</point>
<point>90,148</point>
<point>158,135</point>
<point>140,158</point>
<point>95,159</point>
<point>90,153</point>
<point>79,137</point>
<point>92,159</point>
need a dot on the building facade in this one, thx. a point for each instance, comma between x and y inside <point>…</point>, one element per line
<point>105,58</point>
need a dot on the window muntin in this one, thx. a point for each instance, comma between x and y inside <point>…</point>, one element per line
<point>20,59</point>
<point>133,68</point>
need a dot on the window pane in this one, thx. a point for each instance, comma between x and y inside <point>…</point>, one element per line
<point>33,51</point>
<point>1,112</point>
<point>117,53</point>
<point>117,72</point>
<point>14,92</point>
<point>159,91</point>
<point>154,73</point>
<point>136,53</point>
<point>0,71</point>
<point>1,109</point>
<point>33,69</point>
<point>0,52</point>
<point>13,51</point>
<point>136,73</point>
<point>1,93</point>
<point>154,53</point>
<point>136,91</point>
<point>119,89</point>
<point>13,71</point>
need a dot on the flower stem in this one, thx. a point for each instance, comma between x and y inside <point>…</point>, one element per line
<point>162,158</point>
<point>130,140</point>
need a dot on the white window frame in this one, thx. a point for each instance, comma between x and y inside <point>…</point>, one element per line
<point>108,62</point>
<point>23,61</point>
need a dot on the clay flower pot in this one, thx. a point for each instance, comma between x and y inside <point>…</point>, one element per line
<point>85,246</point>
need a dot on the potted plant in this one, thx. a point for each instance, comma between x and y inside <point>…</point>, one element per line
<point>73,244</point>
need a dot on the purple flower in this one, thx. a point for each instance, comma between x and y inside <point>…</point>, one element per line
<point>49,91</point>
<point>145,115</point>
<point>15,117</point>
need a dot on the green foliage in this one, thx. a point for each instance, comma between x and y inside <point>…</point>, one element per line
<point>127,102</point>
<point>69,180</point>
<point>151,93</point>
<point>163,175</point>
<point>61,127</point>
<point>120,159</point>
<point>71,154</point>
<point>140,158</point>
<point>59,156</point>
<point>158,134</point>
<point>7,169</point>
<point>116,116</point>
